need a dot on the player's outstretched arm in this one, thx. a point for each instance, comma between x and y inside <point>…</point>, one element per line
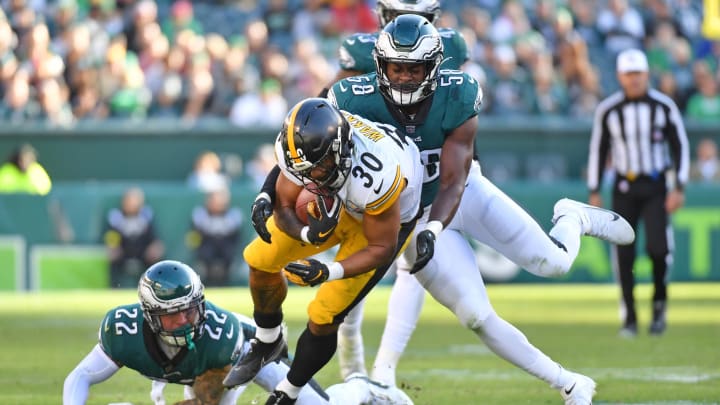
<point>96,367</point>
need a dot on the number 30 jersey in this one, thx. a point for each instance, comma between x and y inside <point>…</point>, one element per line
<point>457,98</point>
<point>127,339</point>
<point>385,168</point>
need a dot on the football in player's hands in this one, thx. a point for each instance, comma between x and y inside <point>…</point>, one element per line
<point>307,203</point>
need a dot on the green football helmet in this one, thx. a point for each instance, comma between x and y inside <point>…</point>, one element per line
<point>169,287</point>
<point>408,39</point>
<point>387,10</point>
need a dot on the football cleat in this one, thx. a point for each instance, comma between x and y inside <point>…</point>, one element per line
<point>658,325</point>
<point>279,398</point>
<point>579,391</point>
<point>259,355</point>
<point>381,394</point>
<point>628,331</point>
<point>598,222</point>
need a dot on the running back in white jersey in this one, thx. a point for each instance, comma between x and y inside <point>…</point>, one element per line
<point>385,167</point>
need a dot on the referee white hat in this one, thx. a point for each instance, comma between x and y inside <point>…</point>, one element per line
<point>632,60</point>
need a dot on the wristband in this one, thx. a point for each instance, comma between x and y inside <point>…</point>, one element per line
<point>336,271</point>
<point>263,195</point>
<point>435,227</point>
<point>304,234</point>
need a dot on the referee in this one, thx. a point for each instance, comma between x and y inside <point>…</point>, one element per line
<point>641,131</point>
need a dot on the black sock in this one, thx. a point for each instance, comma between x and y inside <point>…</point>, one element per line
<point>312,354</point>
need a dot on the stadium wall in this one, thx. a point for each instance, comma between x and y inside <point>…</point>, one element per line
<point>54,242</point>
<point>540,149</point>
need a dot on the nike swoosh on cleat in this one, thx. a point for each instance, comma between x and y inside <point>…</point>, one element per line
<point>615,215</point>
<point>568,391</point>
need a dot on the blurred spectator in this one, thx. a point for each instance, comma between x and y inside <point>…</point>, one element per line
<point>706,166</point>
<point>570,50</point>
<point>207,175</point>
<point>215,237</point>
<point>132,98</point>
<point>279,19</point>
<point>585,96</point>
<point>55,109</point>
<point>511,88</point>
<point>17,107</point>
<point>200,86</point>
<point>705,104</point>
<point>351,16</point>
<point>181,17</point>
<point>266,109</point>
<point>621,25</point>
<point>510,24</point>
<point>261,164</point>
<point>22,173</point>
<point>130,239</point>
<point>585,12</point>
<point>550,93</point>
<point>41,62</point>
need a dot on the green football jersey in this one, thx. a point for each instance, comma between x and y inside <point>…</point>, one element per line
<point>356,51</point>
<point>128,340</point>
<point>457,98</point>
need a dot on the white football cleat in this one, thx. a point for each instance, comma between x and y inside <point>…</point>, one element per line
<point>579,391</point>
<point>598,222</point>
<point>381,394</point>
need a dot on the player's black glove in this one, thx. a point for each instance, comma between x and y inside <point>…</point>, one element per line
<point>261,210</point>
<point>307,272</point>
<point>320,229</point>
<point>425,245</point>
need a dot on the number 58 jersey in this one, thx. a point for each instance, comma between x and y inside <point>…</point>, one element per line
<point>386,168</point>
<point>456,99</point>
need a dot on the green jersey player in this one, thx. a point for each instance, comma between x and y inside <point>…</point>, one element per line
<point>173,335</point>
<point>438,109</point>
<point>355,54</point>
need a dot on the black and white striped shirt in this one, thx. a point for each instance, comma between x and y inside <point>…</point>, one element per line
<point>646,137</point>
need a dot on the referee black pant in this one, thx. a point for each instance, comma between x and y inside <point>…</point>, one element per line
<point>643,199</point>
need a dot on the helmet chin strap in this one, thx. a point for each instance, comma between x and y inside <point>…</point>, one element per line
<point>189,340</point>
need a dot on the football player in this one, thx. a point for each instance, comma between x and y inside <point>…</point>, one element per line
<point>438,109</point>
<point>375,178</point>
<point>355,53</point>
<point>174,335</point>
<point>356,57</point>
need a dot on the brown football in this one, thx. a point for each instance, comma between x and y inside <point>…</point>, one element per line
<point>305,204</point>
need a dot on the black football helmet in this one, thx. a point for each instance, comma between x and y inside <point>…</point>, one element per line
<point>168,287</point>
<point>408,39</point>
<point>315,134</point>
<point>387,10</point>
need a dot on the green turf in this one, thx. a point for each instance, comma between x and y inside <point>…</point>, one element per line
<point>44,335</point>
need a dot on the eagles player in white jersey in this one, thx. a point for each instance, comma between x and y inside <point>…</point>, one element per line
<point>373,179</point>
<point>174,335</point>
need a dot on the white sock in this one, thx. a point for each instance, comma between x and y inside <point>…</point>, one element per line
<point>285,386</point>
<point>350,350</point>
<point>567,230</point>
<point>268,335</point>
<point>406,301</point>
<point>509,343</point>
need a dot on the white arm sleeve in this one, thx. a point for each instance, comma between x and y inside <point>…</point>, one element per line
<point>94,368</point>
<point>156,392</point>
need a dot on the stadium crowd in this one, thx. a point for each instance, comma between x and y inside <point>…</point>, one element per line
<point>67,61</point>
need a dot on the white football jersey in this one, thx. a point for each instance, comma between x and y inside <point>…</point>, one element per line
<point>385,168</point>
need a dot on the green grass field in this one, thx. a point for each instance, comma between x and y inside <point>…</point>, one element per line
<point>44,335</point>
